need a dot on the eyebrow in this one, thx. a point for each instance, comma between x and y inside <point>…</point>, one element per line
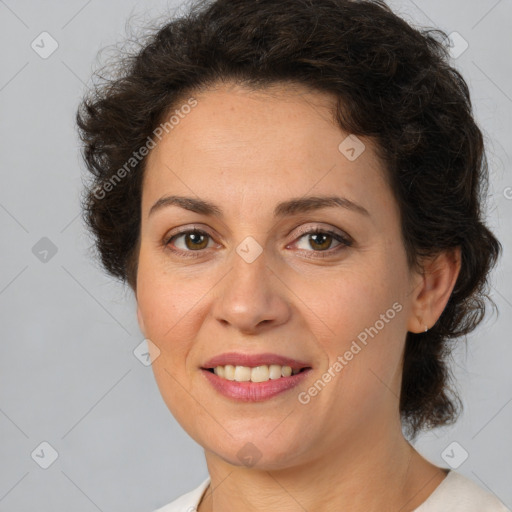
<point>283,209</point>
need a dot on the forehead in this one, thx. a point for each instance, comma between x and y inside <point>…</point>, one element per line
<point>228,115</point>
<point>245,143</point>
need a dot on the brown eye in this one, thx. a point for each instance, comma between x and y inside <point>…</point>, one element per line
<point>193,240</point>
<point>321,241</point>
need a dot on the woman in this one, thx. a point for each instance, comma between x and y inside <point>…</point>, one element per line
<point>292,190</point>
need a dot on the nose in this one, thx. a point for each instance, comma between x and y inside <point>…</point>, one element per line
<point>251,298</point>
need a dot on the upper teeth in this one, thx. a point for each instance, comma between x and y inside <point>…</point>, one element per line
<point>256,374</point>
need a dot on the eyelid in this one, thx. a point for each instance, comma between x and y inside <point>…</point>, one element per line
<point>303,230</point>
<point>187,229</point>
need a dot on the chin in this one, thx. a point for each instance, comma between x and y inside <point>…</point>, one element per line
<point>256,449</point>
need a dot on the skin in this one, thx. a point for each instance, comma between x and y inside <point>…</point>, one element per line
<point>246,151</point>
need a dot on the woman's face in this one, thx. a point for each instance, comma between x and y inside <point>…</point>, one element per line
<point>251,280</point>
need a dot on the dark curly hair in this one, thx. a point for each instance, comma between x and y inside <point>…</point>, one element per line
<point>392,83</point>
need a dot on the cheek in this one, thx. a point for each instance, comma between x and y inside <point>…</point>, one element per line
<point>353,300</point>
<point>166,300</point>
<point>364,313</point>
<point>168,305</point>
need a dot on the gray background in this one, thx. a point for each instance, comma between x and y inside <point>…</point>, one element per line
<point>68,374</point>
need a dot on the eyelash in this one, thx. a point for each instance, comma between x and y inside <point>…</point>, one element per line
<point>344,242</point>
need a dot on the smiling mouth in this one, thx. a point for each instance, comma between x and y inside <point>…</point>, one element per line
<point>263,373</point>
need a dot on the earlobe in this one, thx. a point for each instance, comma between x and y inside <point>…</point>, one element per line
<point>434,290</point>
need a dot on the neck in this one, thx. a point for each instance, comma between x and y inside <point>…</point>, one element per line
<point>360,475</point>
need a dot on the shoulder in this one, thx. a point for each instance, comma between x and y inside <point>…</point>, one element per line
<point>458,493</point>
<point>187,502</point>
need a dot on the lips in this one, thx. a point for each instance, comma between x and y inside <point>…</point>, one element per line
<point>249,391</point>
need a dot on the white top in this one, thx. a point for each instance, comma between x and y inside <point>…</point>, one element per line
<point>455,493</point>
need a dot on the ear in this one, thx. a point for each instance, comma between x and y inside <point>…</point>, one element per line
<point>141,321</point>
<point>434,287</point>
